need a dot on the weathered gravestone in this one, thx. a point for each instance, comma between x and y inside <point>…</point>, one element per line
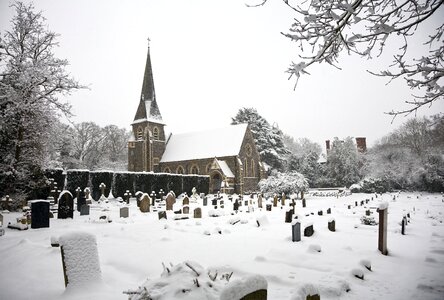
<point>296,231</point>
<point>80,201</point>
<point>304,204</point>
<point>288,215</point>
<point>1,220</point>
<point>170,200</point>
<point>283,199</point>
<point>275,200</point>
<point>367,212</point>
<point>186,209</point>
<point>382,233</point>
<point>320,213</point>
<point>356,203</point>
<point>124,212</point>
<point>197,213</point>
<point>259,201</point>
<point>349,206</point>
<point>87,192</point>
<point>6,203</point>
<point>78,190</point>
<point>236,205</point>
<point>214,202</point>
<point>39,214</point>
<point>205,201</point>
<point>268,207</point>
<point>308,230</point>
<point>252,287</point>
<point>403,223</point>
<point>84,210</point>
<point>186,201</point>
<point>66,206</point>
<point>329,211</point>
<point>80,259</point>
<point>102,188</point>
<point>332,225</point>
<point>162,215</point>
<point>145,203</point>
<point>126,197</point>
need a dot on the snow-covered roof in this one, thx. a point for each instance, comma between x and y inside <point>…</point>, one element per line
<point>225,168</point>
<point>205,144</point>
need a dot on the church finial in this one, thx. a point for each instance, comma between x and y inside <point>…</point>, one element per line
<point>149,40</point>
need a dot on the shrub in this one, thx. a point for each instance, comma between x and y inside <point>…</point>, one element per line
<point>174,183</point>
<point>97,177</point>
<point>189,181</point>
<point>123,181</point>
<point>75,179</point>
<point>143,182</point>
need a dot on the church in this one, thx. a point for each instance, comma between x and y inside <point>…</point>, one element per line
<point>228,155</point>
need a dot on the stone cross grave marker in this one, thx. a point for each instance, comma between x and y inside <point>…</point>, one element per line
<point>84,210</point>
<point>124,212</point>
<point>153,197</point>
<point>39,214</point>
<point>145,203</point>
<point>161,193</point>
<point>197,213</point>
<point>170,200</point>
<point>296,231</point>
<point>382,232</point>
<point>87,192</point>
<point>80,201</point>
<point>126,196</point>
<point>332,225</point>
<point>6,203</point>
<point>102,188</point>
<point>66,206</point>
<point>308,230</point>
<point>78,190</point>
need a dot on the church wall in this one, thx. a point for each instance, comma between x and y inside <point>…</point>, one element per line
<point>250,164</point>
<point>136,156</point>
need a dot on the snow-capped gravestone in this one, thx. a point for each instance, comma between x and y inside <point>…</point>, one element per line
<point>382,232</point>
<point>39,214</point>
<point>170,200</point>
<point>66,206</point>
<point>296,231</point>
<point>126,196</point>
<point>145,203</point>
<point>308,230</point>
<point>124,212</point>
<point>80,259</point>
<point>198,213</point>
<point>80,202</point>
<point>252,287</point>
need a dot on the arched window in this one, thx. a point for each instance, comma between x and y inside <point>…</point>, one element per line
<point>246,167</point>
<point>167,170</point>
<point>179,170</point>
<point>252,168</point>
<point>156,133</point>
<point>249,150</point>
<point>207,169</point>
<point>194,169</point>
<point>139,133</point>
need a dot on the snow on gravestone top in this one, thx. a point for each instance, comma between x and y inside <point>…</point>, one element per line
<point>242,287</point>
<point>383,205</point>
<point>63,193</point>
<point>81,258</point>
<point>306,290</point>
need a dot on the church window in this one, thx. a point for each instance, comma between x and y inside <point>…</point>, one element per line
<point>252,168</point>
<point>179,170</point>
<point>194,169</point>
<point>246,168</point>
<point>207,168</point>
<point>167,170</point>
<point>139,133</point>
<point>249,150</point>
<point>156,133</point>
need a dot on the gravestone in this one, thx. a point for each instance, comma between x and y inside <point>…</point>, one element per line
<point>283,199</point>
<point>162,215</point>
<point>320,213</point>
<point>304,204</point>
<point>87,192</point>
<point>308,231</point>
<point>6,203</point>
<point>161,193</point>
<point>40,214</point>
<point>403,223</point>
<point>197,213</point>
<point>102,188</point>
<point>268,207</point>
<point>349,206</point>
<point>296,231</point>
<point>205,201</point>
<point>66,206</point>
<point>126,197</point>
<point>367,212</point>
<point>80,201</point>
<point>332,225</point>
<point>214,202</point>
<point>293,205</point>
<point>288,216</point>
<point>185,209</point>
<point>362,203</point>
<point>124,212</point>
<point>259,201</point>
<point>186,201</point>
<point>78,190</point>
<point>170,200</point>
<point>246,202</point>
<point>1,220</point>
<point>275,200</point>
<point>313,297</point>
<point>382,233</point>
<point>356,203</point>
<point>236,205</point>
<point>145,203</point>
<point>328,211</point>
<point>84,210</point>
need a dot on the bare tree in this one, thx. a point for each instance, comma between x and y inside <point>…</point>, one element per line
<point>362,27</point>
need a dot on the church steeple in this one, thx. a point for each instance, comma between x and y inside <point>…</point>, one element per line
<point>148,108</point>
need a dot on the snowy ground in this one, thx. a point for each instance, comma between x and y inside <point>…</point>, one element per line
<point>133,249</point>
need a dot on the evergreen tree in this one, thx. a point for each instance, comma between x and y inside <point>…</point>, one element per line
<point>269,139</point>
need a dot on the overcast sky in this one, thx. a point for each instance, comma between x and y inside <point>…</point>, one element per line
<point>210,58</point>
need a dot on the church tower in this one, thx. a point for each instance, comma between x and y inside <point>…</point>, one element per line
<point>147,142</point>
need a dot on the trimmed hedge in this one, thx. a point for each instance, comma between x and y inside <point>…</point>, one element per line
<point>203,185</point>
<point>142,182</point>
<point>190,181</point>
<point>96,178</point>
<point>123,181</point>
<point>58,176</point>
<point>75,179</point>
<point>175,184</point>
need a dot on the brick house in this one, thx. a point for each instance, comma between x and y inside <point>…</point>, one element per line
<point>228,155</point>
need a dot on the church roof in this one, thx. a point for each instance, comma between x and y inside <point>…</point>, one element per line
<point>205,144</point>
<point>148,109</point>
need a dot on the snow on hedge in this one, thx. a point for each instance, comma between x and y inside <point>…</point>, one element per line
<point>240,288</point>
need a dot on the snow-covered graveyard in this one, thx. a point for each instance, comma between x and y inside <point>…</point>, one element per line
<point>183,257</point>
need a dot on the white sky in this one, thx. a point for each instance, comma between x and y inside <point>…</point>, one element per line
<point>210,58</point>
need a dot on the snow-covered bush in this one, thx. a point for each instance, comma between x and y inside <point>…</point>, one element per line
<point>123,181</point>
<point>371,185</point>
<point>367,220</point>
<point>97,178</point>
<point>287,183</point>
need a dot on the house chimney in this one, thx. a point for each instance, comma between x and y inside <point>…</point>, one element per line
<point>361,144</point>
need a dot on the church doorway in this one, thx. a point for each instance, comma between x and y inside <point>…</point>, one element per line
<point>216,182</point>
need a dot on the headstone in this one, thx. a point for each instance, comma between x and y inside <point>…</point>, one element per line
<point>349,206</point>
<point>313,297</point>
<point>214,202</point>
<point>84,210</point>
<point>66,206</point>
<point>308,231</point>
<point>259,201</point>
<point>320,213</point>
<point>304,204</point>
<point>236,205</point>
<point>170,200</point>
<point>80,201</point>
<point>288,216</point>
<point>186,209</point>
<point>356,203</point>
<point>205,201</point>
<point>197,213</point>
<point>268,207</point>
<point>328,211</point>
<point>275,200</point>
<point>382,234</point>
<point>40,214</point>
<point>1,220</point>
<point>332,225</point>
<point>283,199</point>
<point>153,198</point>
<point>145,203</point>
<point>124,212</point>
<point>186,201</point>
<point>367,212</point>
<point>161,193</point>
<point>162,215</point>
<point>296,231</point>
<point>403,226</point>
<point>362,203</point>
<point>6,203</point>
<point>87,193</point>
<point>246,202</point>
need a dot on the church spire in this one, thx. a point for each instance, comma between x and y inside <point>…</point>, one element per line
<point>148,108</point>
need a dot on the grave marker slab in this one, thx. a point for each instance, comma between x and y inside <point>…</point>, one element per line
<point>186,201</point>
<point>259,201</point>
<point>268,207</point>
<point>66,206</point>
<point>124,212</point>
<point>84,210</point>
<point>236,205</point>
<point>40,214</point>
<point>170,200</point>
<point>275,200</point>
<point>186,209</point>
<point>288,216</point>
<point>332,225</point>
<point>205,201</point>
<point>304,204</point>
<point>197,213</point>
<point>296,231</point>
<point>382,232</point>
<point>162,215</point>
<point>145,203</point>
<point>80,201</point>
<point>308,231</point>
